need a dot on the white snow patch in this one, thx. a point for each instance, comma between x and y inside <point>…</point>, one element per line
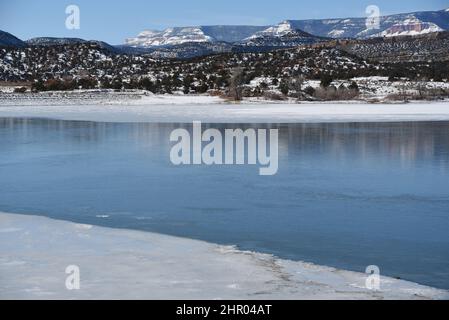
<point>83,226</point>
<point>164,109</point>
<point>125,264</point>
<point>336,33</point>
<point>9,230</point>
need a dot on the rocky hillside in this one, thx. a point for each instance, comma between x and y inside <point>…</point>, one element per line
<point>393,25</point>
<point>89,60</point>
<point>423,48</point>
<point>90,65</point>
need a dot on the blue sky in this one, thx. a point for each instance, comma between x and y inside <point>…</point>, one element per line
<point>115,20</point>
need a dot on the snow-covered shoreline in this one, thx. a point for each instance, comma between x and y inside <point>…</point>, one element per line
<point>126,264</point>
<point>186,109</point>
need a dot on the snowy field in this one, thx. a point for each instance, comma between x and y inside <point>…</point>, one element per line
<point>165,108</point>
<point>124,264</point>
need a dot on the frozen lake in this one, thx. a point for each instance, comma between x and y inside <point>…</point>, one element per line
<point>346,195</point>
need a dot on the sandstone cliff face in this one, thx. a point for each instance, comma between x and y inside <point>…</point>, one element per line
<point>410,27</point>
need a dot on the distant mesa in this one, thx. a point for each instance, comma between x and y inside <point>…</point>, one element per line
<point>416,23</point>
<point>181,35</point>
<point>410,27</point>
<point>193,41</point>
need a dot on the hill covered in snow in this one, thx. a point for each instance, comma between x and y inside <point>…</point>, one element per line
<point>89,65</point>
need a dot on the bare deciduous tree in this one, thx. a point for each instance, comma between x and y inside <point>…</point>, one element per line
<point>235,84</point>
<point>296,85</point>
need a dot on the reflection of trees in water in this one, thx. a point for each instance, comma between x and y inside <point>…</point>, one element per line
<point>408,142</point>
<point>81,132</point>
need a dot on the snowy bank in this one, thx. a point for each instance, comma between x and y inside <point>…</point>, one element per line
<point>125,264</point>
<point>179,110</point>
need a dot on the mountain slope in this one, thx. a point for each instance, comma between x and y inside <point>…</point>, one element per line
<point>282,35</point>
<point>231,34</point>
<point>8,40</point>
<point>356,27</point>
<point>422,48</point>
<point>52,41</point>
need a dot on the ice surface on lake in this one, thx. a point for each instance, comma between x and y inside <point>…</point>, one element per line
<point>35,251</point>
<point>165,109</point>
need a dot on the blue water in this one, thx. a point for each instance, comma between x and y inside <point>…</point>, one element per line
<point>346,195</point>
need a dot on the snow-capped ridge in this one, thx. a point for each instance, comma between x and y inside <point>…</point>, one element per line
<point>170,36</point>
<point>410,27</point>
<point>279,30</point>
<point>416,23</point>
<point>282,35</point>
